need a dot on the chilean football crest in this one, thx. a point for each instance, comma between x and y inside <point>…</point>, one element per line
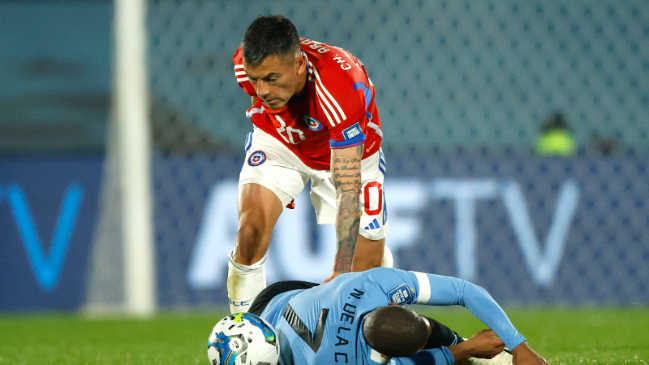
<point>311,123</point>
<point>257,158</point>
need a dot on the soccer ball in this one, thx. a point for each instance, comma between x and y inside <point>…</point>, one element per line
<point>243,339</point>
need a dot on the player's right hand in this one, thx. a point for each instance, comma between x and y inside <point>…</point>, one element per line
<point>485,344</point>
<point>524,355</point>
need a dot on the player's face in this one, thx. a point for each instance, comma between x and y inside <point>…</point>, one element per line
<point>277,79</point>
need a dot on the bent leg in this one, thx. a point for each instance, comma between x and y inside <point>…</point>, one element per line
<point>259,210</point>
<point>271,178</point>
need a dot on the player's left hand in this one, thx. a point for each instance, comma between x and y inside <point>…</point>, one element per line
<point>524,355</point>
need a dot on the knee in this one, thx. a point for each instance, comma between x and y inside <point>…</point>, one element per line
<point>249,234</point>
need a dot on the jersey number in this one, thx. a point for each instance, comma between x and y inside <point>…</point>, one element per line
<point>379,188</point>
<point>289,132</point>
<point>311,339</point>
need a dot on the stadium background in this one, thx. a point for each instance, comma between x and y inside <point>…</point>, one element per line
<point>462,89</point>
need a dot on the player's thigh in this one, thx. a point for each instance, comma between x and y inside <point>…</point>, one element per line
<point>269,180</point>
<point>374,219</point>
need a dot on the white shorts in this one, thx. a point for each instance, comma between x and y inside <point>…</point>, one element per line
<point>271,164</point>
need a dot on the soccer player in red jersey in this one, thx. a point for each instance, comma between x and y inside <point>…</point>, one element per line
<point>315,119</point>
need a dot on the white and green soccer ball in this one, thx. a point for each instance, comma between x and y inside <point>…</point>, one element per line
<point>243,339</point>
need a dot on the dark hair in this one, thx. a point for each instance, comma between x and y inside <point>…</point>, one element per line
<point>395,331</point>
<point>269,35</point>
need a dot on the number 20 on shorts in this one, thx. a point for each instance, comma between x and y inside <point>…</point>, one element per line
<point>372,188</point>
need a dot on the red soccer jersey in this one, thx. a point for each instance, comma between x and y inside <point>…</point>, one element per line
<point>336,109</point>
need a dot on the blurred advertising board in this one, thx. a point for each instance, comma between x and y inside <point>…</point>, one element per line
<point>48,209</point>
<point>540,231</point>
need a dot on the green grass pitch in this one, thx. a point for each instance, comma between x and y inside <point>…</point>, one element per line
<point>563,336</point>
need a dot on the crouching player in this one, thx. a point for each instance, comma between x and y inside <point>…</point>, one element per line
<point>357,319</point>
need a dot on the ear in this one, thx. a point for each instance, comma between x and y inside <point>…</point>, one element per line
<point>300,64</point>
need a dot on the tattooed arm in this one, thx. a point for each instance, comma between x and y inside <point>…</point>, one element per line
<point>346,173</point>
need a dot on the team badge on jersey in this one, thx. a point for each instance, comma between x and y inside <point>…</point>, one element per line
<point>400,295</point>
<point>311,123</point>
<point>257,158</point>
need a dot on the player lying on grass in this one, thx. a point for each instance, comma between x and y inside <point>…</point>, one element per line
<point>357,319</point>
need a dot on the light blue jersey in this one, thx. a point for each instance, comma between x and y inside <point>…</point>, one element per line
<point>323,325</point>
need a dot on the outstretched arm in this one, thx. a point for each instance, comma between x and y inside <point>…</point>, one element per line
<point>443,290</point>
<point>407,287</point>
<point>346,173</point>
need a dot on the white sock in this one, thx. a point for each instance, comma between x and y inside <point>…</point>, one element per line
<point>388,260</point>
<point>244,284</point>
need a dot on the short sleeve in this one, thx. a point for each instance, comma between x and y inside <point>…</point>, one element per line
<point>350,134</point>
<point>351,130</point>
<point>341,90</point>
